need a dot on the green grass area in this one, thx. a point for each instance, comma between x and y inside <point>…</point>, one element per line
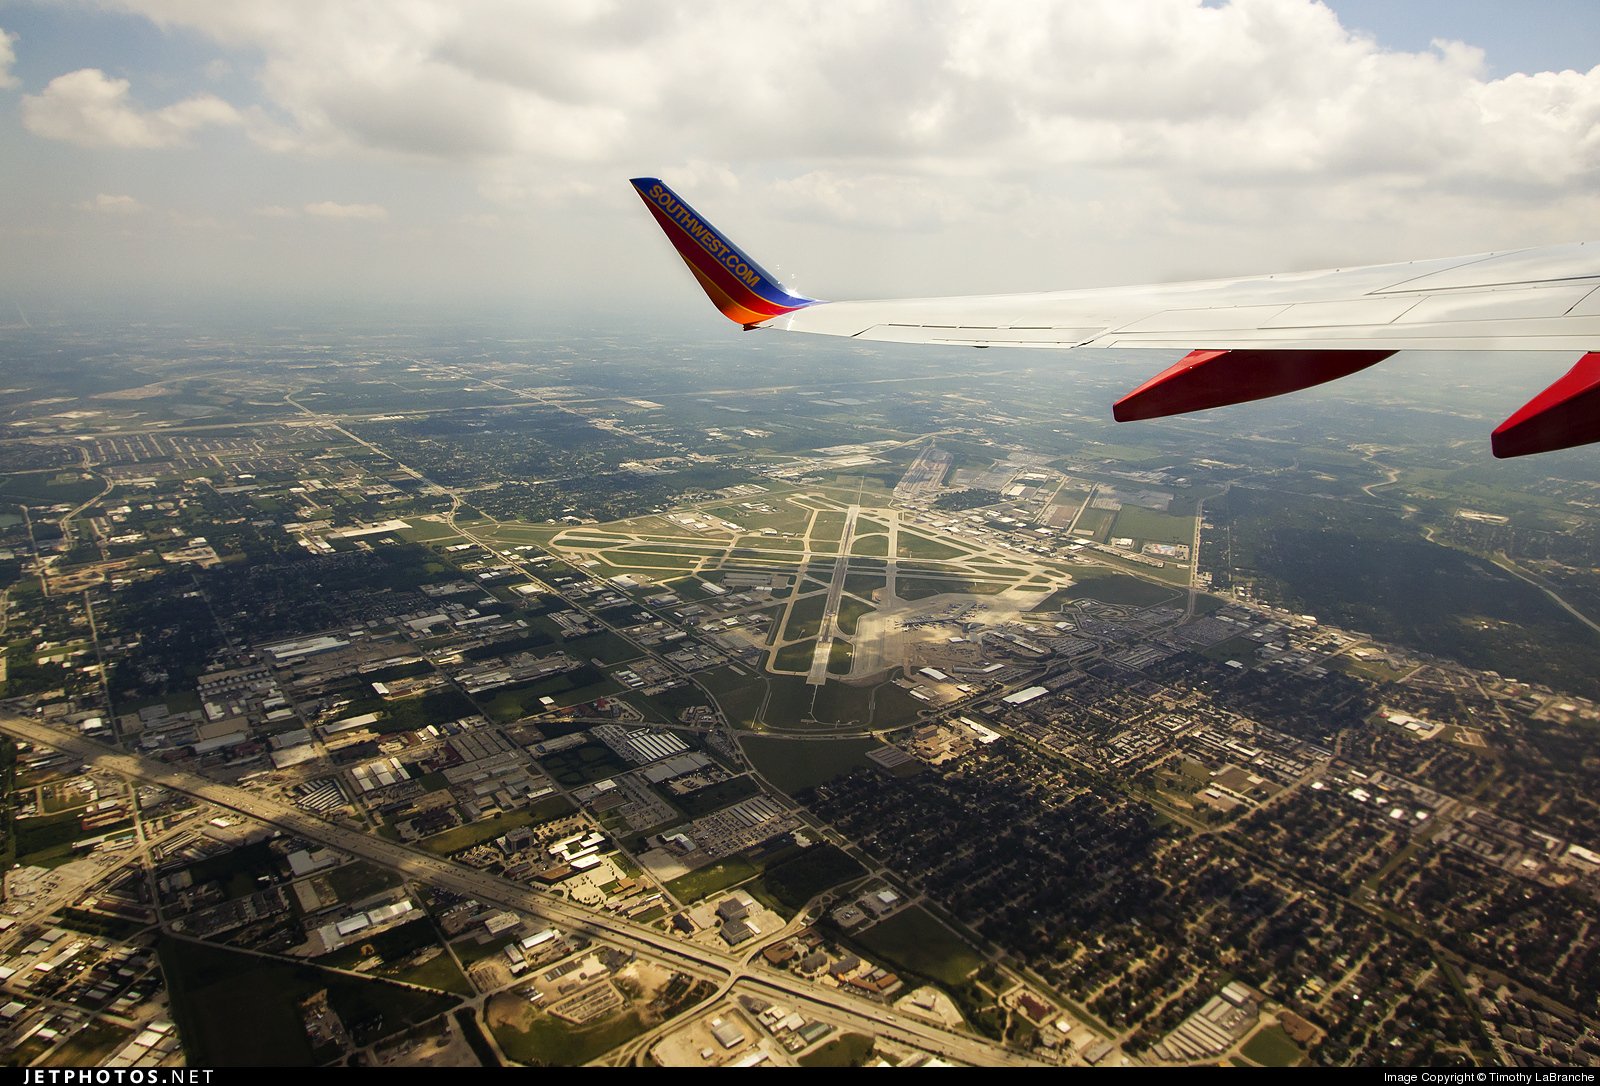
<point>739,694</point>
<point>1070,500</point>
<point>582,765</point>
<point>463,837</point>
<point>850,612</point>
<point>423,531</point>
<point>1271,1047</point>
<point>917,588</point>
<point>618,561</point>
<point>92,923</point>
<point>912,545</point>
<point>1376,670</point>
<point>875,545</point>
<point>850,1050</point>
<point>915,941</point>
<point>785,516</point>
<point>770,544</point>
<point>1241,649</point>
<point>550,1042</point>
<point>828,527</point>
<point>862,584</point>
<point>576,687</point>
<point>1120,455</point>
<point>884,705</point>
<point>679,549</point>
<point>55,799</point>
<point>50,487</point>
<point>471,950</point>
<point>1121,588</point>
<point>1008,572</point>
<point>795,657</point>
<point>439,973</point>
<point>700,883</point>
<point>46,840</point>
<point>237,1010</point>
<point>605,646</point>
<point>409,714</point>
<point>805,618</point>
<point>358,879</point>
<point>395,947</point>
<point>840,654</point>
<point>1096,522</point>
<point>820,867</point>
<point>1150,526</point>
<point>1366,567</point>
<point>793,765</point>
<point>717,796</point>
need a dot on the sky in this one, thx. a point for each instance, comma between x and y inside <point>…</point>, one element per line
<point>448,153</point>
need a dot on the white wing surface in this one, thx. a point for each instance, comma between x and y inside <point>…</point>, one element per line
<point>1249,338</point>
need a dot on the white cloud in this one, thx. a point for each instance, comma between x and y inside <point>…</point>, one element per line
<point>327,209</point>
<point>1257,86</point>
<point>974,145</point>
<point>91,109</point>
<point>107,204</point>
<point>8,57</point>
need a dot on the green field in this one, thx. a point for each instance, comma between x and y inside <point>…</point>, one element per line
<point>581,765</point>
<point>697,884</point>
<point>50,487</point>
<point>1096,522</point>
<point>828,527</point>
<point>738,695</point>
<point>1121,588</point>
<point>912,545</point>
<point>46,840</point>
<point>850,612</point>
<point>806,617</point>
<point>550,1042</point>
<point>476,833</point>
<point>705,800</point>
<point>820,867</point>
<point>1149,526</point>
<point>514,702</point>
<point>795,657</point>
<point>863,584</point>
<point>851,1050</point>
<point>793,765</point>
<point>917,588</point>
<point>916,942</point>
<point>1271,1047</point>
<point>235,1010</point>
<point>1368,568</point>
<point>395,946</point>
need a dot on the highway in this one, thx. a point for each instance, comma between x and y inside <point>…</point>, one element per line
<point>725,968</point>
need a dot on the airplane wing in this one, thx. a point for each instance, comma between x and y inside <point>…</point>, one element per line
<point>1249,338</point>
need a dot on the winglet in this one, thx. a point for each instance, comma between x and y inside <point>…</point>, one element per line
<point>1562,416</point>
<point>744,291</point>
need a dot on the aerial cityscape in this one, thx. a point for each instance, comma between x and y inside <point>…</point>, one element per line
<point>445,621</point>
<point>458,700</point>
